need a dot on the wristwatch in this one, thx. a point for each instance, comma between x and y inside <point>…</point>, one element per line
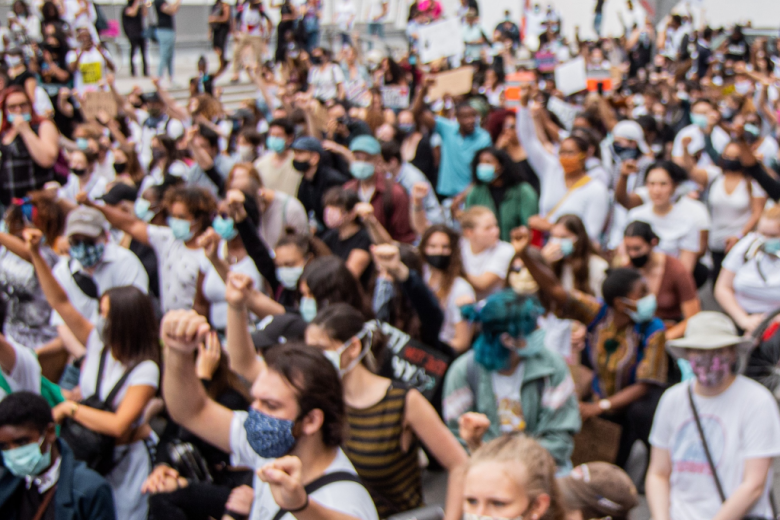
<point>605,405</point>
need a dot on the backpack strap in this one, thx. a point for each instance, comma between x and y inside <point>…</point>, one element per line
<point>326,479</point>
<point>114,391</point>
<point>387,202</point>
<point>84,282</point>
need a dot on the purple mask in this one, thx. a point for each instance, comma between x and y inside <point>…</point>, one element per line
<point>711,368</point>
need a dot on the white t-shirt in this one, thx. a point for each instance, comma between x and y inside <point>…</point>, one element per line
<point>452,315</point>
<point>214,287</point>
<point>506,388</point>
<point>375,12</point>
<point>345,15</point>
<point>173,128</point>
<point>325,81</point>
<point>90,71</point>
<point>729,211</point>
<point>251,22</point>
<point>155,178</point>
<point>494,260</point>
<point>676,230</point>
<point>146,373</point>
<point>590,202</point>
<point>26,374</point>
<point>95,187</point>
<point>757,279</point>
<point>118,267</point>
<point>106,168</point>
<point>741,423</point>
<point>597,272</point>
<point>179,267</point>
<point>346,497</point>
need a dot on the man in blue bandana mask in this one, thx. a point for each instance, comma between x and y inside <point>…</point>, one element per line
<point>510,382</point>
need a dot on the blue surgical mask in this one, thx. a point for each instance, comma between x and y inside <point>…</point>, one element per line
<point>181,228</point>
<point>699,120</point>
<point>567,245</point>
<point>82,143</point>
<point>289,276</point>
<point>142,208</point>
<point>27,460</point>
<point>87,255</point>
<point>361,170</point>
<point>407,128</point>
<point>486,172</point>
<point>12,117</point>
<point>645,309</point>
<point>270,437</point>
<point>308,309</point>
<point>224,227</point>
<point>771,246</point>
<point>277,144</point>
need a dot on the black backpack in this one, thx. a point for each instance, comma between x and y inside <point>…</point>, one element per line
<point>95,449</point>
<point>764,362</point>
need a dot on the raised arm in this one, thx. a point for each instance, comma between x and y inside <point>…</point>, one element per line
<point>544,276</point>
<point>243,358</point>
<point>422,116</point>
<point>138,229</point>
<point>626,199</point>
<point>44,146</point>
<point>539,158</point>
<point>188,405</point>
<point>15,245</point>
<point>53,291</point>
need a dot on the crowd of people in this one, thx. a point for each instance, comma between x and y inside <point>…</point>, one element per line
<point>293,309</point>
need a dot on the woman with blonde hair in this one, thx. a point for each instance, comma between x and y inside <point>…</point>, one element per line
<point>511,477</point>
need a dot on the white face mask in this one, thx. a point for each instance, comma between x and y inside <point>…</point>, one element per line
<point>334,356</point>
<point>246,152</point>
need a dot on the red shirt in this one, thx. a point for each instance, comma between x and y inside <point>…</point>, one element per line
<point>396,206</point>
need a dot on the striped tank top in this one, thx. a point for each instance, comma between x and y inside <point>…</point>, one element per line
<point>392,476</point>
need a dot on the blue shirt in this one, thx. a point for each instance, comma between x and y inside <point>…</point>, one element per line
<point>457,152</point>
<point>407,178</point>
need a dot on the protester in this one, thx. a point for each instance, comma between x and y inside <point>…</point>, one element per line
<point>133,26</point>
<point>64,487</point>
<point>714,437</point>
<point>485,257</point>
<point>597,489</point>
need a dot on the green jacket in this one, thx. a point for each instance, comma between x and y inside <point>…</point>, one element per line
<point>550,407</point>
<point>520,202</point>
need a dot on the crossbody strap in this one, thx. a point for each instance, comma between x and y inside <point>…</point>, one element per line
<point>704,443</point>
<point>328,478</point>
<point>115,390</point>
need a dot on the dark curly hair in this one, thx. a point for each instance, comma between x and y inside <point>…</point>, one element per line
<point>199,202</point>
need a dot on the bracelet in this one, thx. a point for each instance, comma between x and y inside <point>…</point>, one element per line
<point>304,506</point>
<point>73,410</point>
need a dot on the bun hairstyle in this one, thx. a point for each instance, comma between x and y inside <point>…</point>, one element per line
<point>642,230</point>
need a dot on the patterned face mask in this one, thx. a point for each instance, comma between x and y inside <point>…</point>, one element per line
<point>711,368</point>
<point>270,437</point>
<point>87,255</point>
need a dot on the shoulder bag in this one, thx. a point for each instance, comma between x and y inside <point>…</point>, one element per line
<point>93,448</point>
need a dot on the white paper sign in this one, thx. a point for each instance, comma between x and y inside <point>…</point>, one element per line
<point>566,112</point>
<point>396,97</point>
<point>441,40</point>
<point>570,77</point>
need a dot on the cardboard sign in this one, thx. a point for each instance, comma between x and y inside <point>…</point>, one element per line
<point>440,40</point>
<point>413,363</point>
<point>395,97</point>
<point>94,102</point>
<point>546,61</point>
<point>570,77</point>
<point>454,82</point>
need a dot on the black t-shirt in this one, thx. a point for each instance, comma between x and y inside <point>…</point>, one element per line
<point>21,78</point>
<point>132,25</point>
<point>164,20</point>
<point>342,248</point>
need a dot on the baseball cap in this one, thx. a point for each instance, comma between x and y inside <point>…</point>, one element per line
<point>119,192</point>
<point>281,328</point>
<point>600,487</point>
<point>633,132</point>
<point>85,221</point>
<point>308,144</point>
<point>366,144</point>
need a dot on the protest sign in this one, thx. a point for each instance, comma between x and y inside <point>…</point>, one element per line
<point>395,97</point>
<point>440,40</point>
<point>512,90</point>
<point>564,111</point>
<point>546,61</point>
<point>454,82</point>
<point>570,77</point>
<point>94,102</point>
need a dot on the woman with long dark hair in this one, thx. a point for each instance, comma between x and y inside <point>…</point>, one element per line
<point>125,340</point>
<point>444,275</point>
<point>498,186</point>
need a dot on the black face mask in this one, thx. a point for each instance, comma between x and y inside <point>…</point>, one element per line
<point>302,166</point>
<point>626,153</point>
<point>78,171</point>
<point>731,165</point>
<point>640,261</point>
<point>316,60</point>
<point>120,167</point>
<point>440,262</point>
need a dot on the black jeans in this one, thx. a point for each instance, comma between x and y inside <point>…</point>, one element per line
<point>140,44</point>
<point>636,420</point>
